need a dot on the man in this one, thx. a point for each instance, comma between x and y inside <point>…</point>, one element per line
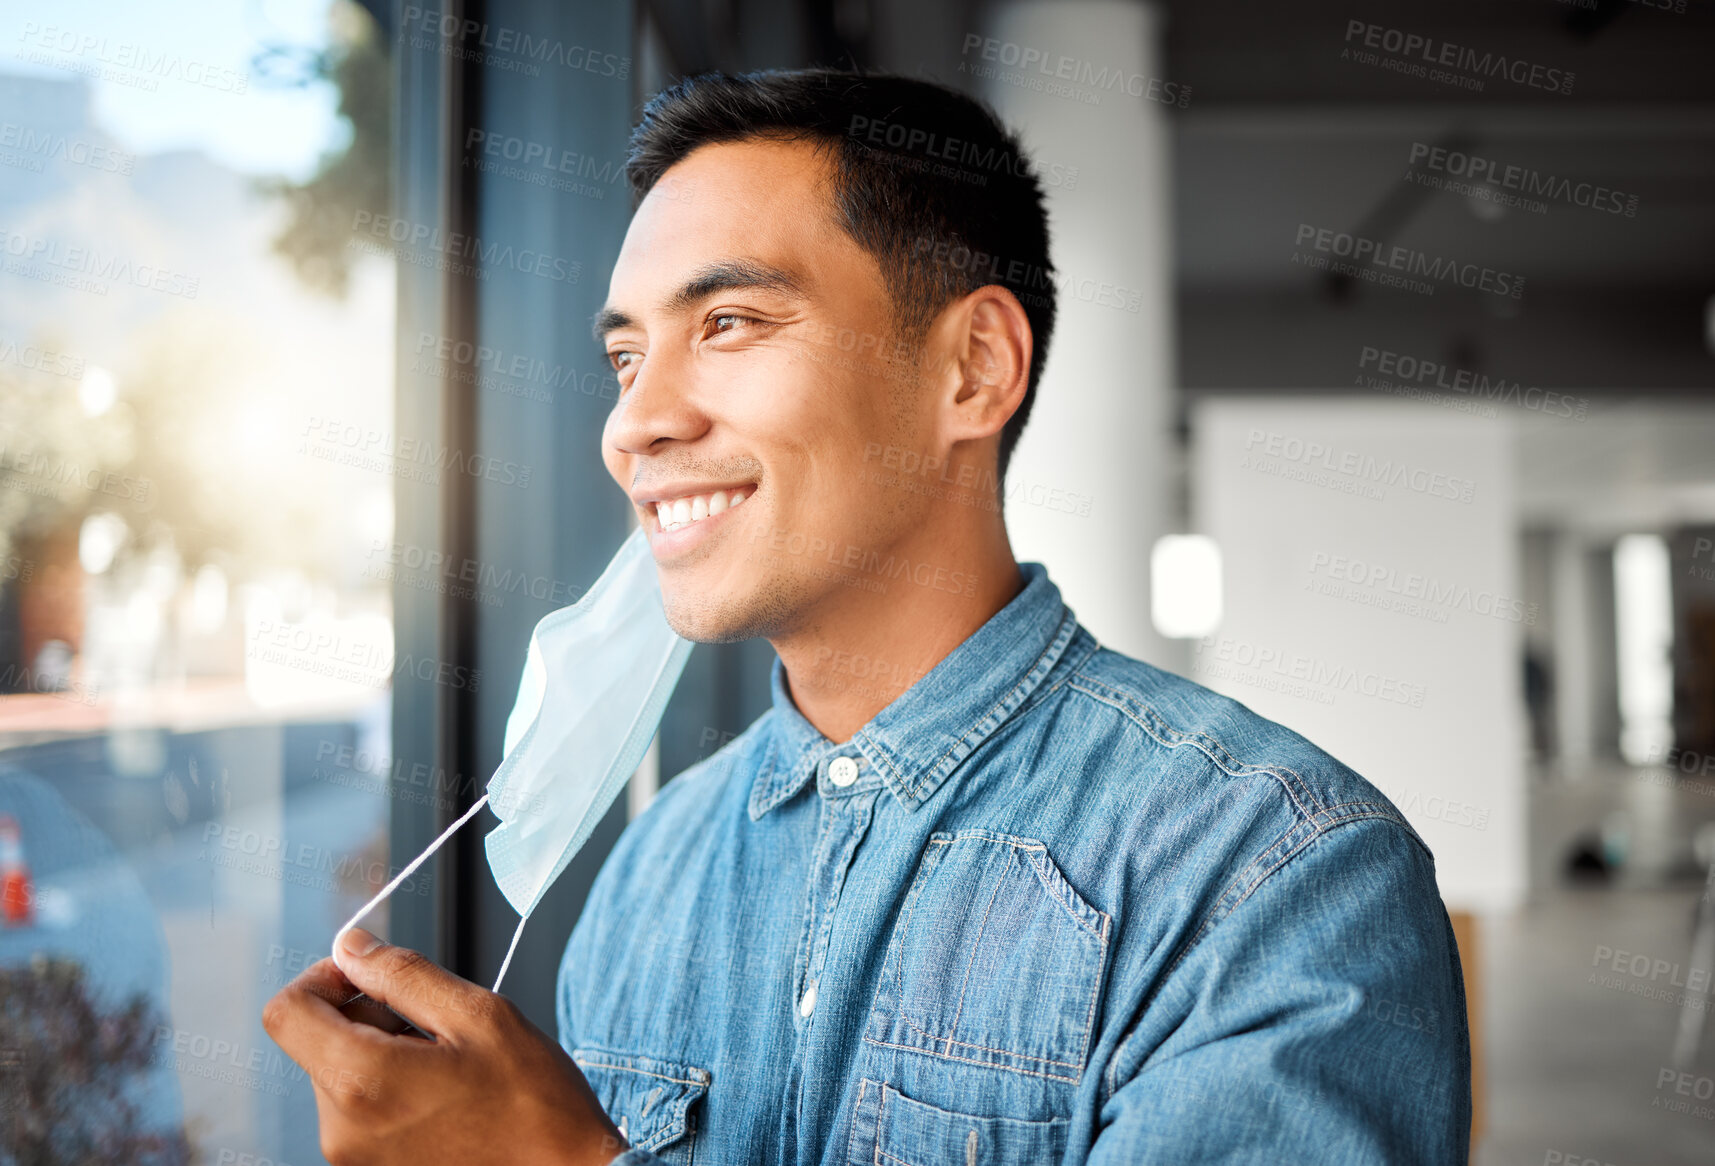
<point>974,890</point>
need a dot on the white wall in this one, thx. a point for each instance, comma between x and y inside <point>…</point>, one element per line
<point>1099,434</point>
<point>1398,666</point>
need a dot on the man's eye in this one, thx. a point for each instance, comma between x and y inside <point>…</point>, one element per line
<point>620,359</point>
<point>726,323</point>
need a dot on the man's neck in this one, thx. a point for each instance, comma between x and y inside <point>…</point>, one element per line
<point>860,657</point>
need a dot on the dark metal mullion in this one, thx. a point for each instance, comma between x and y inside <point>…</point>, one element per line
<point>458,706</point>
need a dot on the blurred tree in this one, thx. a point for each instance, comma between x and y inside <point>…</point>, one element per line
<point>225,482</point>
<point>354,178</point>
<point>66,1072</point>
<point>50,452</point>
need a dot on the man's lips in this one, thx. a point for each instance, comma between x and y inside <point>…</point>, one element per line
<point>680,507</point>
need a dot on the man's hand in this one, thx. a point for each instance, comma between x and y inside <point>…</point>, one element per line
<point>491,1086</point>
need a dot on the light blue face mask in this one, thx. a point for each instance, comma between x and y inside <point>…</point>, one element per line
<point>595,684</point>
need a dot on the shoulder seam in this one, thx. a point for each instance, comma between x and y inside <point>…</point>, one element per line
<point>1157,727</point>
<point>1291,844</point>
<point>1313,823</point>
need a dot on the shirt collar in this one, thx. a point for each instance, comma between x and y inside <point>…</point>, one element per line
<point>916,742</point>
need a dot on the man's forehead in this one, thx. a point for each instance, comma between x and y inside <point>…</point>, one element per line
<point>759,205</point>
<point>742,187</point>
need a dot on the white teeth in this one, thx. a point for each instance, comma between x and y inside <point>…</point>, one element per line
<point>684,511</point>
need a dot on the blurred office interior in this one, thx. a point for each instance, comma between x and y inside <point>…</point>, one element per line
<point>1383,399</point>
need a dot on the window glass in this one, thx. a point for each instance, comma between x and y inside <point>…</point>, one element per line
<point>196,645</point>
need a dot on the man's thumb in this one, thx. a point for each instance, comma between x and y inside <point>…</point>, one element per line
<point>409,982</point>
<point>352,945</point>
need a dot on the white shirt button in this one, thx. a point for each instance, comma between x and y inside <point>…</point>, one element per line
<point>843,771</point>
<point>807,1002</point>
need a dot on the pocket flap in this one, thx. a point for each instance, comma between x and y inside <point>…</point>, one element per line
<point>911,1133</point>
<point>649,1098</point>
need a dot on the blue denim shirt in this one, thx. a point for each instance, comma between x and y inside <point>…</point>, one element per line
<point>1052,905</point>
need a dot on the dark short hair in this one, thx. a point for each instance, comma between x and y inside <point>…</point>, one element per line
<point>926,179</point>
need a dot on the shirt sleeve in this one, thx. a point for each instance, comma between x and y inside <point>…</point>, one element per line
<point>1321,1020</point>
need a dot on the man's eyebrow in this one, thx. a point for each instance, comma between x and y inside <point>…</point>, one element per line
<point>727,275</point>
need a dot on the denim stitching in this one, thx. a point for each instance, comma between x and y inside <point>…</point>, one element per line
<point>974,1061</point>
<point>1215,915</point>
<point>1067,665</point>
<point>1247,876</point>
<point>1318,822</point>
<point>807,937</point>
<point>585,1059</point>
<point>1056,647</point>
<point>965,1044</point>
<point>1202,742</point>
<point>857,1112</point>
<point>899,943</point>
<point>1053,887</point>
<point>880,1117</point>
<point>1372,810</point>
<point>949,1041</point>
<point>1260,879</point>
<point>1095,995</point>
<point>976,948</point>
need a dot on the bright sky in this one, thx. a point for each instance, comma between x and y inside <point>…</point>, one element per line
<point>264,130</point>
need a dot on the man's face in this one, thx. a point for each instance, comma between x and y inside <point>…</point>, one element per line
<point>750,336</point>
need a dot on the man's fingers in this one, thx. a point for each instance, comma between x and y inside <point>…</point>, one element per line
<point>305,1021</point>
<point>411,984</point>
<point>368,1010</point>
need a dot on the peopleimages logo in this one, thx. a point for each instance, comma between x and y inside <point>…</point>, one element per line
<point>366,447</point>
<point>460,360</point>
<point>51,261</point>
<point>1419,372</point>
<point>43,360</point>
<point>35,146</point>
<point>454,245</point>
<point>514,50</point>
<point>1266,450</point>
<point>1477,169</point>
<point>1412,585</point>
<point>1061,76</point>
<point>1294,674</point>
<point>1026,279</point>
<point>124,62</point>
<point>1428,57</point>
<point>1373,253</point>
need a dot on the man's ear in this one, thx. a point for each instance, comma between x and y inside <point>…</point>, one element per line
<point>985,383</point>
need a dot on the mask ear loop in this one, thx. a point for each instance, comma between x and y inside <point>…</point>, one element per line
<point>518,932</point>
<point>409,870</point>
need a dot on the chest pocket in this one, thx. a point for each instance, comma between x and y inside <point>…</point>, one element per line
<point>910,1133</point>
<point>652,1101</point>
<point>996,960</point>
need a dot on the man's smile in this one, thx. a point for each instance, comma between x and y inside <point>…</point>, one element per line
<point>678,516</point>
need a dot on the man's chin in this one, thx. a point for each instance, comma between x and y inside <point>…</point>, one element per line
<point>729,614</point>
<point>702,622</point>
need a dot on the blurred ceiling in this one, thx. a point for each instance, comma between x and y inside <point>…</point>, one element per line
<point>1284,131</point>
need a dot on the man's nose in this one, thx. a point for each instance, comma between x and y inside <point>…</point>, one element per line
<point>657,407</point>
